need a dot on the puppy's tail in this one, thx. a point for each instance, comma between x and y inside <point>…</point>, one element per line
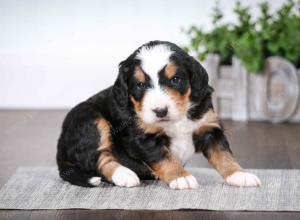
<point>77,177</point>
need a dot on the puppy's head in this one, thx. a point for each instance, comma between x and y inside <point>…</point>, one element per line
<point>161,82</point>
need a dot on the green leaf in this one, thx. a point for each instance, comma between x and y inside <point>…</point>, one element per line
<point>252,41</point>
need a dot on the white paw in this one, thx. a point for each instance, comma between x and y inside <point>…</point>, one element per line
<point>243,179</point>
<point>125,177</point>
<point>95,180</point>
<point>187,182</point>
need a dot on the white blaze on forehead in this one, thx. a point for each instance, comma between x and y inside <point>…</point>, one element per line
<point>153,59</point>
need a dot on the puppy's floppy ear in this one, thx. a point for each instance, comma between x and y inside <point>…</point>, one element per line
<point>199,80</point>
<point>120,88</point>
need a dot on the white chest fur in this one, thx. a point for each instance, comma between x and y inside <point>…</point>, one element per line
<point>181,134</point>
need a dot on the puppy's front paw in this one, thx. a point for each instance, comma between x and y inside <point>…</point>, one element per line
<point>187,182</point>
<point>125,177</point>
<point>240,178</point>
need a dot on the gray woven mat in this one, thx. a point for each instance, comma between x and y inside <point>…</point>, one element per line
<point>41,188</point>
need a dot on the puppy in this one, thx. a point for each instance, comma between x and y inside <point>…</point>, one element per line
<point>147,125</point>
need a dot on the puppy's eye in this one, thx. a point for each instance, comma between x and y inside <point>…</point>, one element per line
<point>175,80</point>
<point>141,85</point>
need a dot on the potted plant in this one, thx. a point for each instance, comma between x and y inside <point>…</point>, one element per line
<point>254,64</point>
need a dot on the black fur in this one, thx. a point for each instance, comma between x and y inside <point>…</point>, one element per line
<point>77,152</point>
<point>212,138</point>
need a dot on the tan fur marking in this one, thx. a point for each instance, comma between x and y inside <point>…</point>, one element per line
<point>170,70</point>
<point>106,163</point>
<point>223,162</point>
<point>139,74</point>
<point>169,169</point>
<point>108,169</point>
<point>181,101</point>
<point>210,121</point>
<point>104,129</point>
<point>138,105</point>
<point>149,129</point>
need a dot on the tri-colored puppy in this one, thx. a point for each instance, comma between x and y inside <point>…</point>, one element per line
<point>147,125</point>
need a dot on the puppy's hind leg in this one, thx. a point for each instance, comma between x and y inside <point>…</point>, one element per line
<point>108,164</point>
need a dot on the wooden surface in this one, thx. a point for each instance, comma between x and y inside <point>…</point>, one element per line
<point>28,138</point>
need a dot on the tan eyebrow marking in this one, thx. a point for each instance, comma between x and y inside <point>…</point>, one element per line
<point>139,74</point>
<point>170,70</point>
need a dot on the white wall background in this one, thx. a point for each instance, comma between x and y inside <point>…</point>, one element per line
<point>56,53</point>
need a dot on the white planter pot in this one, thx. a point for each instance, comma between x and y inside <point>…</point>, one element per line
<point>272,95</point>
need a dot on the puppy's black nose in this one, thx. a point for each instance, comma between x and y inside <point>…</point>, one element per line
<point>161,112</point>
